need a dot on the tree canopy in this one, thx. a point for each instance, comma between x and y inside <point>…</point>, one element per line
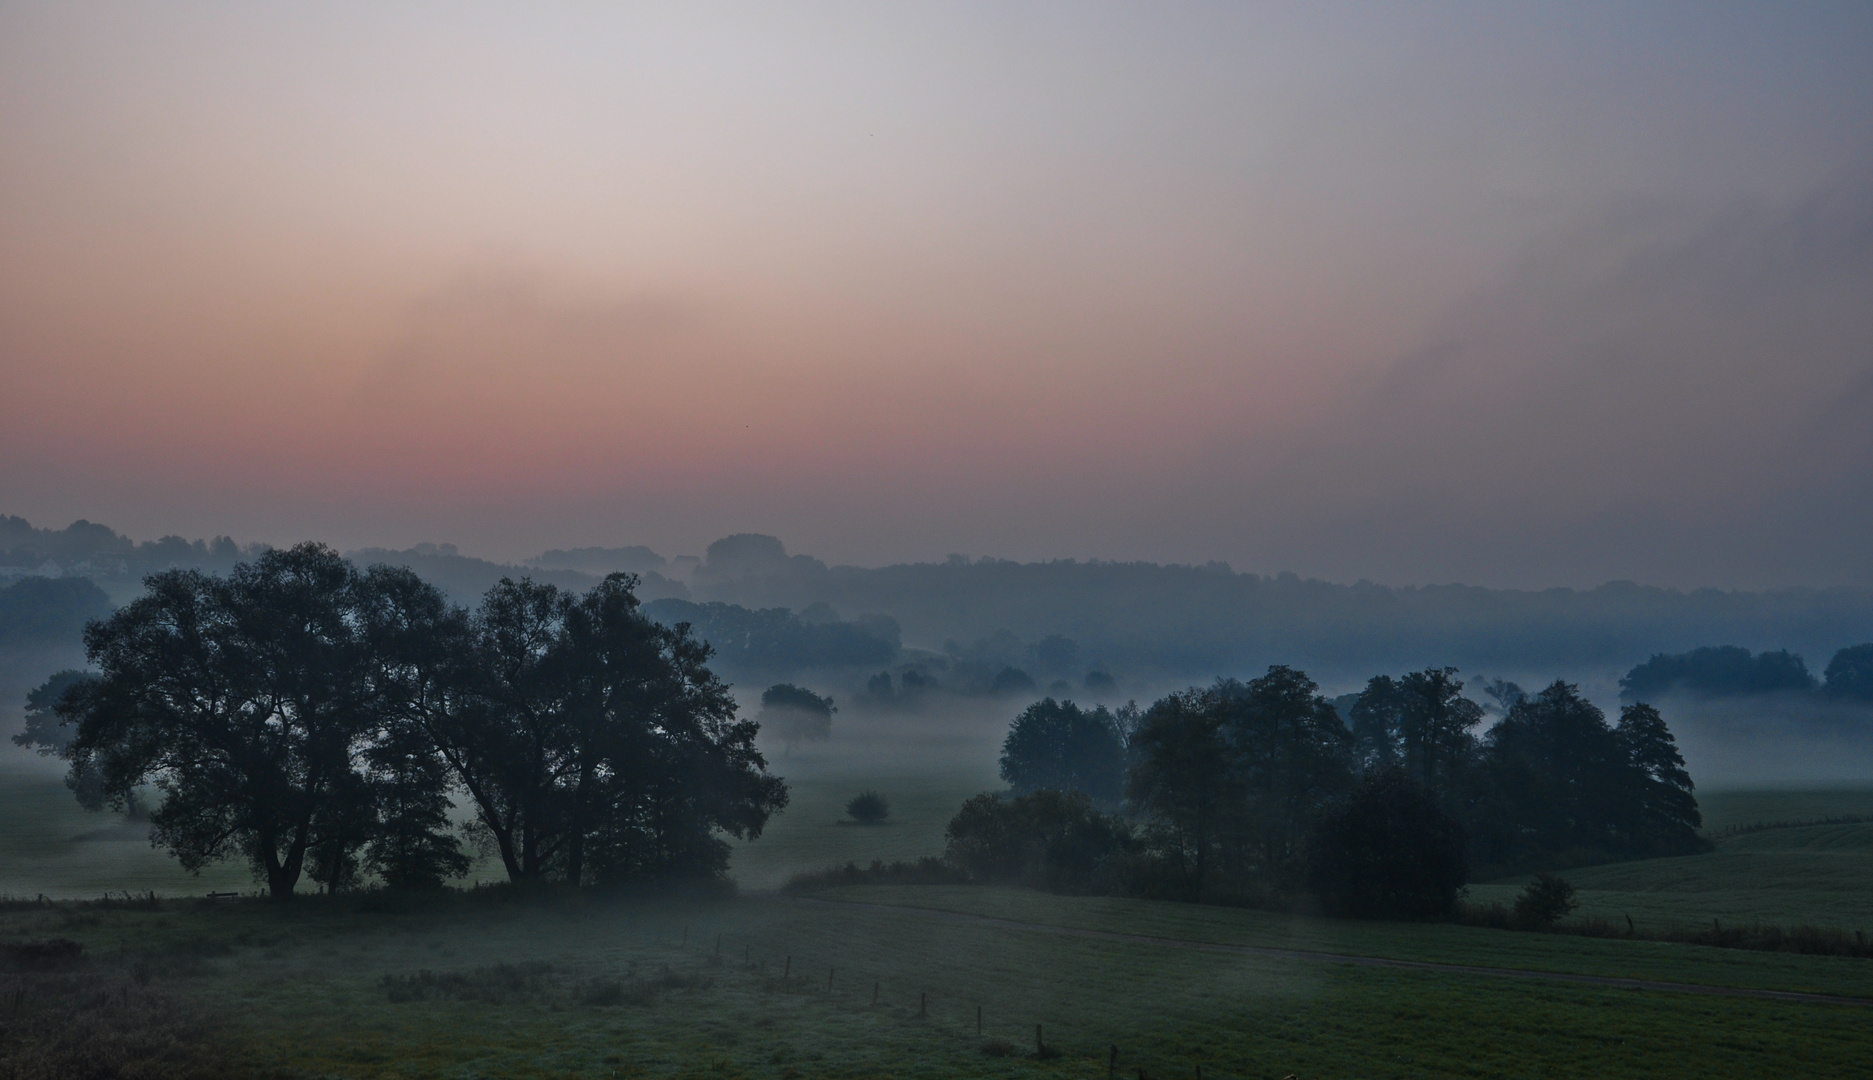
<point>312,718</point>
<point>1850,673</point>
<point>1716,671</point>
<point>797,714</point>
<point>1056,745</point>
<point>1233,772</point>
<point>1241,786</point>
<point>1387,849</point>
<point>241,699</point>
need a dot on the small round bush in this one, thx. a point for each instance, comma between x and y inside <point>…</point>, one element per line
<point>868,808</point>
<point>1546,901</point>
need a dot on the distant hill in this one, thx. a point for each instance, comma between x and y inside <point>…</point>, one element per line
<point>602,560</point>
<point>1059,620</point>
<point>1154,621</point>
<point>465,578</point>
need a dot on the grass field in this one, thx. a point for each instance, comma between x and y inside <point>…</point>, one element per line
<point>1821,875</point>
<point>814,832</point>
<point>584,988</point>
<point>1814,874</point>
<point>639,990</point>
<point>1818,874</point>
<point>1725,809</point>
<point>52,845</point>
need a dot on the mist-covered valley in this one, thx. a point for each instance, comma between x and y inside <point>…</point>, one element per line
<point>962,642</point>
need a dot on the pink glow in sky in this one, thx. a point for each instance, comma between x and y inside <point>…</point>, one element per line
<point>1537,296</point>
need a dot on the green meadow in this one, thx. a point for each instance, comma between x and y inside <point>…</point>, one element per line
<point>1814,874</point>
<point>482,988</point>
<point>888,984</point>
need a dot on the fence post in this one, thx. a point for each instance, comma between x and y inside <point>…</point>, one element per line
<point>829,972</point>
<point>1112,1062</point>
<point>1040,1048</point>
<point>923,1004</point>
<point>787,971</point>
<point>978,1021</point>
<point>874,993</point>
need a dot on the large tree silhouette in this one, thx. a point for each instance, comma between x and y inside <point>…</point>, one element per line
<point>593,743</point>
<point>243,700</point>
<point>314,720</point>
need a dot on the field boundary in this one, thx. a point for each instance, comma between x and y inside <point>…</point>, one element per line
<point>1314,956</point>
<point>1729,831</point>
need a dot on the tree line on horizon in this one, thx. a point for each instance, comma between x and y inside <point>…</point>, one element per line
<point>1143,622</point>
<point>315,719</point>
<point>1262,789</point>
<point>1733,671</point>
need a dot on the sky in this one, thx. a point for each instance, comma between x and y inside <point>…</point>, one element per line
<point>1522,295</point>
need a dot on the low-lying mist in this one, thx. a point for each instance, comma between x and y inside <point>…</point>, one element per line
<point>1773,740</point>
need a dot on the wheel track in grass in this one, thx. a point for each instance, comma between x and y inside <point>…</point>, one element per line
<point>1314,956</point>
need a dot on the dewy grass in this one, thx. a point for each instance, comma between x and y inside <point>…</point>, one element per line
<point>1430,942</point>
<point>1814,874</point>
<point>302,990</point>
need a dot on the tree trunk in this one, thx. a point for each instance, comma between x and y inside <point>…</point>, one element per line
<point>282,876</point>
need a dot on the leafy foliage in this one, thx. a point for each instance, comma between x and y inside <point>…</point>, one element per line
<point>241,699</point>
<point>1716,671</point>
<point>43,730</point>
<point>1387,850</point>
<point>313,719</point>
<point>1850,673</point>
<point>1051,838</point>
<point>770,641</point>
<point>1544,901</point>
<point>868,808</point>
<point>594,744</point>
<point>1560,779</point>
<point>1056,745</point>
<point>1227,778</point>
<point>1231,774</point>
<point>40,611</point>
<point>1661,812</point>
<point>796,714</point>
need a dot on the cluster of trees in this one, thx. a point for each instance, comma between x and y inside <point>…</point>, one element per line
<point>1733,671</point>
<point>89,549</point>
<point>796,714</point>
<point>316,719</point>
<point>44,612</point>
<point>916,682</point>
<point>1169,621</point>
<point>1037,627</point>
<point>776,642</point>
<point>1059,746</point>
<point>466,579</point>
<point>1262,788</point>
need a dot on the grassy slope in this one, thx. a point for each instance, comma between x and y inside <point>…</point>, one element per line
<point>1814,874</point>
<point>1820,874</point>
<point>1435,942</point>
<point>1723,809</point>
<point>1817,875</point>
<point>301,988</point>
